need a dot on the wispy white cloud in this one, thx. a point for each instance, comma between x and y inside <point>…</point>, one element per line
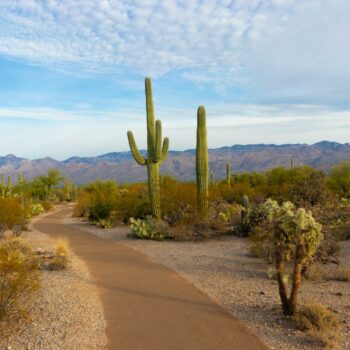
<point>102,132</point>
<point>204,39</point>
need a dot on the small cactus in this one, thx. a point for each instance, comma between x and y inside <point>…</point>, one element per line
<point>212,179</point>
<point>245,216</point>
<point>202,168</point>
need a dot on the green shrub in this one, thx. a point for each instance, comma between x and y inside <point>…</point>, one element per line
<point>339,179</point>
<point>19,276</point>
<point>104,197</point>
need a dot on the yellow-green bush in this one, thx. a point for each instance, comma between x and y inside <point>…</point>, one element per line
<point>19,276</point>
<point>12,213</point>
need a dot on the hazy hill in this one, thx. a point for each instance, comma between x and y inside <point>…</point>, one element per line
<point>122,167</point>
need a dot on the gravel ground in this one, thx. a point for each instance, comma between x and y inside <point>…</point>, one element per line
<point>67,312</point>
<point>224,270</point>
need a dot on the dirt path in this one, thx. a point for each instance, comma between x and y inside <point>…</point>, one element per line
<point>147,306</point>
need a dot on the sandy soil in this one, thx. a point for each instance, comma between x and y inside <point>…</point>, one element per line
<point>224,270</point>
<point>67,312</point>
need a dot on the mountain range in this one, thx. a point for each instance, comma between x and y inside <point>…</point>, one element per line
<point>181,164</point>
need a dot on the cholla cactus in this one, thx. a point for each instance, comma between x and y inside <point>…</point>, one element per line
<point>296,236</point>
<point>202,168</point>
<point>156,153</point>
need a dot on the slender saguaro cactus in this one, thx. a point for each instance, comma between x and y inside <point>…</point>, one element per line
<point>292,163</point>
<point>156,153</point>
<point>9,187</point>
<point>228,173</point>
<point>2,185</point>
<point>20,185</point>
<point>202,168</point>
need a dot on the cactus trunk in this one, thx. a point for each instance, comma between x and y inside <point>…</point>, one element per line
<point>202,168</point>
<point>156,153</point>
<point>9,187</point>
<point>3,189</point>
<point>228,173</point>
<point>154,189</point>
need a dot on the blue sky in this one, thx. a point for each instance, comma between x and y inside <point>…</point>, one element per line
<point>268,71</point>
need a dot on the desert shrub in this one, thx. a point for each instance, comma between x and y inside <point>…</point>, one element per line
<point>19,276</point>
<point>192,232</point>
<point>314,272</point>
<point>341,274</point>
<point>339,179</point>
<point>178,200</point>
<point>104,196</point>
<point>81,208</point>
<point>148,229</point>
<point>60,258</point>
<point>133,202</point>
<point>320,322</point>
<point>12,213</point>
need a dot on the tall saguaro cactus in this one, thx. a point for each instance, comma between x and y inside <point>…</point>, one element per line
<point>20,185</point>
<point>156,153</point>
<point>2,185</point>
<point>228,173</point>
<point>9,187</point>
<point>202,168</point>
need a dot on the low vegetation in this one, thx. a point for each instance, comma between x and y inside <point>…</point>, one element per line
<point>19,276</point>
<point>320,322</point>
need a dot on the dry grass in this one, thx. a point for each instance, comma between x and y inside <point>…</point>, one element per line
<point>318,321</point>
<point>19,276</point>
<point>60,260</point>
<point>314,273</point>
<point>341,274</point>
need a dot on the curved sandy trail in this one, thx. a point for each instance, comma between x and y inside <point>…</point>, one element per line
<point>146,305</point>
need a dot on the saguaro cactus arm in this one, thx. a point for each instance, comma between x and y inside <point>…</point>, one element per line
<point>165,150</point>
<point>158,141</point>
<point>134,150</point>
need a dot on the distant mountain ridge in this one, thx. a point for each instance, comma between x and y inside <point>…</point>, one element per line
<point>181,164</point>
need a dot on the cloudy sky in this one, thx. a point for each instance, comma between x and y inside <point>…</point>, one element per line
<point>268,71</point>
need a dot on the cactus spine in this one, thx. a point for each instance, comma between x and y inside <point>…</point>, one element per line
<point>156,153</point>
<point>228,173</point>
<point>202,168</point>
